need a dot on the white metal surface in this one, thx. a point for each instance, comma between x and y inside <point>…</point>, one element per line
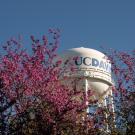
<point>91,65</point>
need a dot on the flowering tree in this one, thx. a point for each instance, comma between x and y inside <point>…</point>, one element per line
<point>34,101</point>
<point>123,68</point>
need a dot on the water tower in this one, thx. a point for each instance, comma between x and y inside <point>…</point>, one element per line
<point>94,70</point>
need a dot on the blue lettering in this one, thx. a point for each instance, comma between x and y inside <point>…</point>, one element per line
<point>101,65</point>
<point>88,59</point>
<point>78,62</point>
<point>106,66</point>
<point>95,62</point>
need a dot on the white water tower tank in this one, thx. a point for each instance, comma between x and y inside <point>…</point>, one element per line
<point>88,64</point>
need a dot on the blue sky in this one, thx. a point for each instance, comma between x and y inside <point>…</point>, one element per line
<point>88,23</point>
